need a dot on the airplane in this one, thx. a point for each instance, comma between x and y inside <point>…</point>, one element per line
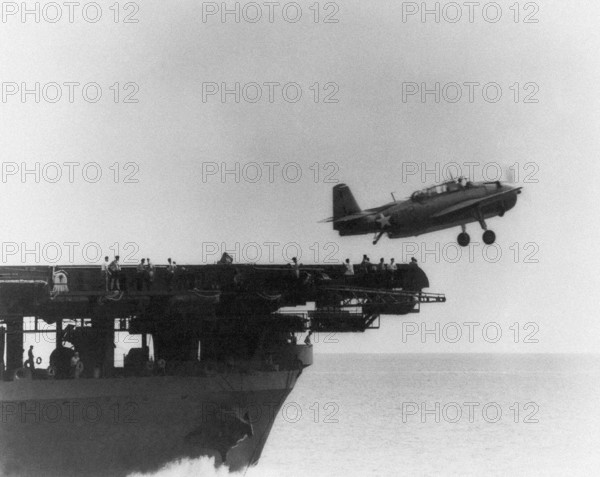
<point>456,202</point>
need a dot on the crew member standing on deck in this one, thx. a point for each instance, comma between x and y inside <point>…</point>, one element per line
<point>30,359</point>
<point>140,273</point>
<point>104,272</point>
<point>349,272</point>
<point>392,268</point>
<point>76,366</point>
<point>170,274</point>
<point>349,268</point>
<point>295,267</point>
<point>149,274</point>
<point>365,264</point>
<point>414,274</point>
<point>115,274</point>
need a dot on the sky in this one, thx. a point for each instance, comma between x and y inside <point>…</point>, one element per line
<point>190,168</point>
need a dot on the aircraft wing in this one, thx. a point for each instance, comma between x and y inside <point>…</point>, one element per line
<point>476,202</point>
<point>348,218</point>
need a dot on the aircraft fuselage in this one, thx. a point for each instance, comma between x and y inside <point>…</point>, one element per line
<point>423,214</point>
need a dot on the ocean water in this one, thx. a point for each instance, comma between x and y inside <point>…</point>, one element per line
<point>431,415</point>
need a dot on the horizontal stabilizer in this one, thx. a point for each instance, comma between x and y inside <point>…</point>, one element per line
<point>349,218</point>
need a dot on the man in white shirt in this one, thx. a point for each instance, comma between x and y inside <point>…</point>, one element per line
<point>366,264</point>
<point>349,268</point>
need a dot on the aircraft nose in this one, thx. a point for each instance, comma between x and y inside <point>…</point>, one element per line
<point>511,200</point>
<point>508,188</point>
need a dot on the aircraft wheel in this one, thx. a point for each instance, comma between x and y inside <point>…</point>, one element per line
<point>489,237</point>
<point>463,239</point>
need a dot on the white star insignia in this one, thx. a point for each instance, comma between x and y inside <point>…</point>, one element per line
<point>383,220</point>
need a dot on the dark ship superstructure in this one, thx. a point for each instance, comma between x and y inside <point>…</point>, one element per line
<point>218,356</point>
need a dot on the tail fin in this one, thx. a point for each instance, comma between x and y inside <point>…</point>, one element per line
<point>343,202</point>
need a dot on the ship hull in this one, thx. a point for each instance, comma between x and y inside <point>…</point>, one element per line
<point>117,426</point>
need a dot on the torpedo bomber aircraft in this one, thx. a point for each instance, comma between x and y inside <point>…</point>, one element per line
<point>451,204</point>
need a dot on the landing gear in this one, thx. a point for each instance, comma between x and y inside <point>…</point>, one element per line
<point>463,239</point>
<point>489,237</point>
<point>377,237</point>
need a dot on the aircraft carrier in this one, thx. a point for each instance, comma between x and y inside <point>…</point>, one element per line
<point>217,356</point>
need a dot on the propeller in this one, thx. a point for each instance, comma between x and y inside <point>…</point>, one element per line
<point>508,175</point>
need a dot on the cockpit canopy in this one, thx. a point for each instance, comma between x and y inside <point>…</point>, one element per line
<point>449,186</point>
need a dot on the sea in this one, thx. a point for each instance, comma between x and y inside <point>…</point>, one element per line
<point>433,415</point>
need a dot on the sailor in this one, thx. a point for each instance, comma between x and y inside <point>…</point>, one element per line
<point>75,367</point>
<point>104,272</point>
<point>31,360</point>
<point>414,266</point>
<point>307,339</point>
<point>349,268</point>
<point>149,274</point>
<point>295,267</point>
<point>60,279</point>
<point>115,273</point>
<point>170,274</point>
<point>140,273</point>
<point>381,265</point>
<point>366,264</point>
<point>392,266</point>
<point>182,277</point>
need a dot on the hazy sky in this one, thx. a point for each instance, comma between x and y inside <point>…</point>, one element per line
<point>174,136</point>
